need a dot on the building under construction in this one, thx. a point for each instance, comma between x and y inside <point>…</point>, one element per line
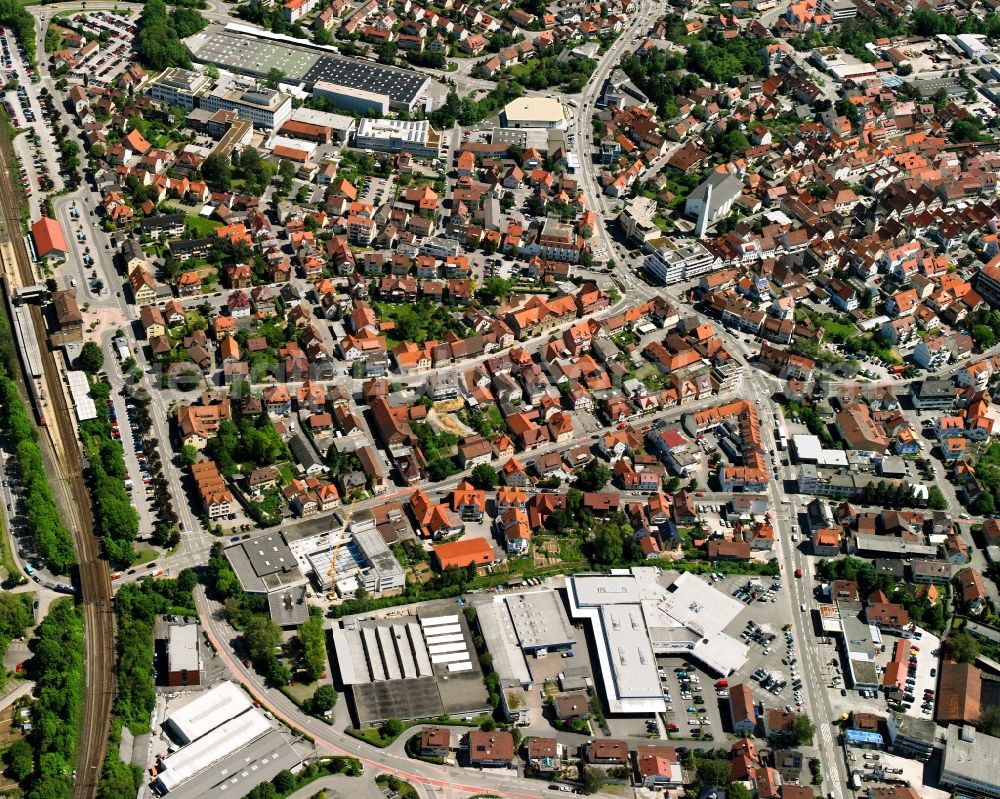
<point>351,554</point>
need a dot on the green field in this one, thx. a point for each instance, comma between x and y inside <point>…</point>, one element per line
<point>201,225</point>
<point>832,325</point>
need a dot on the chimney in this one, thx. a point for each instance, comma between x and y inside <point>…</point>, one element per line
<point>702,226</point>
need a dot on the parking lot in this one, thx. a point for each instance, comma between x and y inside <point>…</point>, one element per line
<point>921,683</point>
<point>693,703</point>
<point>122,416</point>
<point>115,54</point>
<point>883,768</point>
<point>35,150</point>
<point>772,667</point>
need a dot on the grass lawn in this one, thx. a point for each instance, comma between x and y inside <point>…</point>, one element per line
<point>301,692</point>
<point>832,325</point>
<point>145,556</point>
<point>287,472</point>
<point>201,226</point>
<point>404,789</point>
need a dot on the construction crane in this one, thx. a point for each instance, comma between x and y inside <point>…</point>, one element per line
<point>331,572</point>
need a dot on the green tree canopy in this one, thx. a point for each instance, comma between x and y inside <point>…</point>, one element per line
<point>324,698</point>
<point>91,358</point>
<point>484,476</point>
<point>312,639</point>
<point>592,477</point>
<point>217,170</point>
<point>963,647</point>
<point>803,730</point>
<point>261,636</point>
<point>983,336</point>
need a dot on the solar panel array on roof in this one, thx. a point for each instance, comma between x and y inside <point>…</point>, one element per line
<point>400,85</point>
<point>257,56</point>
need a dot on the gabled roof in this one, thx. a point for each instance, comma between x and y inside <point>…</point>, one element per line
<point>48,237</point>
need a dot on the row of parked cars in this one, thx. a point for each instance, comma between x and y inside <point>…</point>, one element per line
<point>116,433</point>
<point>115,54</point>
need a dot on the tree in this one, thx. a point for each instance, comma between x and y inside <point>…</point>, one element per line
<point>803,730</point>
<point>819,190</point>
<point>712,771</point>
<point>387,53</point>
<point>496,289</point>
<point>984,504</point>
<point>983,336</point>
<point>287,171</point>
<point>265,790</point>
<point>261,636</point>
<point>187,580</point>
<point>20,760</point>
<point>936,499</point>
<point>989,720</point>
<point>606,546</point>
<point>323,699</point>
<point>963,647</point>
<point>593,779</point>
<point>592,477</point>
<point>189,455</point>
<point>313,642</point>
<point>392,728</point>
<point>284,781</point>
<point>734,141</point>
<point>91,358</point>
<point>274,77</point>
<point>217,170</point>
<point>737,790</point>
<point>484,476</point>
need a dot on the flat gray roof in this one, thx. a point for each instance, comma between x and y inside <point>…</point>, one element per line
<point>288,607</point>
<point>269,553</point>
<point>539,620</point>
<point>255,56</point>
<point>264,564</point>
<point>182,647</point>
<point>242,771</point>
<point>501,640</point>
<point>976,760</point>
<point>894,545</point>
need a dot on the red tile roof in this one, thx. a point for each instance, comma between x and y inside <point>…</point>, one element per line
<point>48,237</point>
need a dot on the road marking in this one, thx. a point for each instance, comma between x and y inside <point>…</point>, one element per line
<point>827,733</point>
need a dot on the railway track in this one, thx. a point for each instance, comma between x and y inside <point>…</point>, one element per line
<point>93,576</point>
